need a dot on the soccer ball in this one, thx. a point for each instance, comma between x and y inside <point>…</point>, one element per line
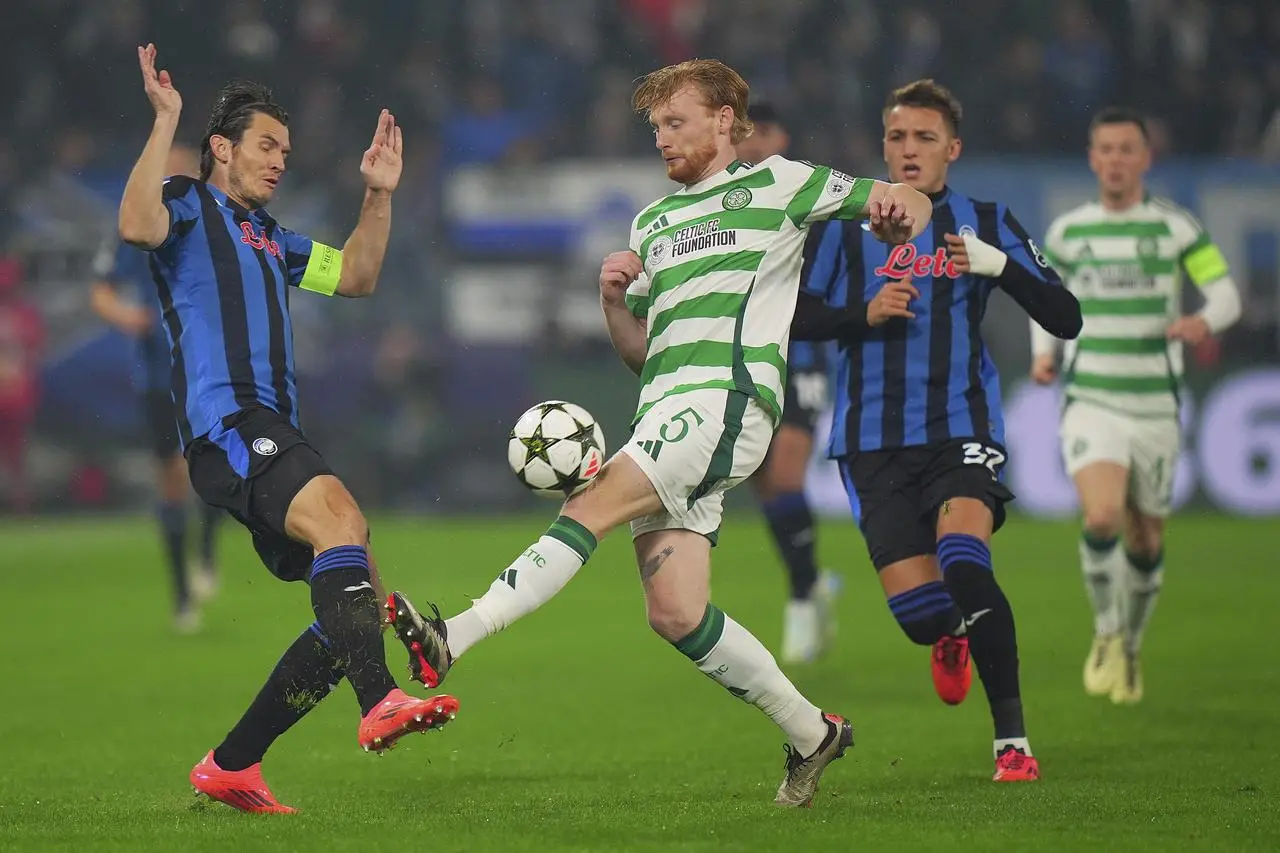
<point>556,449</point>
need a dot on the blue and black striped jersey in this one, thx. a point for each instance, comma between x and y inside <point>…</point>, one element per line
<point>929,379</point>
<point>223,275</point>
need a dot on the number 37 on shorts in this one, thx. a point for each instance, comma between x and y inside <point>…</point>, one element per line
<point>977,453</point>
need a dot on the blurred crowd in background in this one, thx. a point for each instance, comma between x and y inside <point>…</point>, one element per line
<point>515,83</point>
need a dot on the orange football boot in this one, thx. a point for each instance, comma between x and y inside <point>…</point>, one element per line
<point>400,714</point>
<point>1014,765</point>
<point>952,674</point>
<point>241,789</point>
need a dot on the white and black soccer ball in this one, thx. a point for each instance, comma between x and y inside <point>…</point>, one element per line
<point>556,449</point>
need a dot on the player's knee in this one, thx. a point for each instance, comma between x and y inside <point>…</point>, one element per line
<point>345,524</point>
<point>1145,540</point>
<point>1103,521</point>
<point>674,620</point>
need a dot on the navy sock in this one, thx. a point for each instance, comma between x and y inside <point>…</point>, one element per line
<point>210,518</point>
<point>346,609</point>
<point>791,522</point>
<point>173,529</point>
<point>305,675</point>
<point>927,613</point>
<point>993,641</point>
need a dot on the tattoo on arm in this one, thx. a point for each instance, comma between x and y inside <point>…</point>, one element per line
<point>650,566</point>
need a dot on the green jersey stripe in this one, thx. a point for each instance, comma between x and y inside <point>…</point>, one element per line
<point>673,277</point>
<point>1127,411</point>
<point>709,354</point>
<point>857,200</point>
<point>803,201</point>
<point>751,180</point>
<point>1124,384</point>
<point>1149,265</point>
<point>1158,228</point>
<point>766,396</point>
<point>750,219</point>
<point>1130,307</point>
<point>707,306</point>
<point>1123,346</point>
<point>637,305</point>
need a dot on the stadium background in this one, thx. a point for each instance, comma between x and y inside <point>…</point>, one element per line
<point>524,165</point>
<point>580,730</point>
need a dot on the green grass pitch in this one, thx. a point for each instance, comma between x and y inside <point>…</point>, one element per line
<point>581,730</point>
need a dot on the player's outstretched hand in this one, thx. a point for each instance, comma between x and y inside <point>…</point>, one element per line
<point>1043,369</point>
<point>893,300</point>
<point>381,164</point>
<point>164,99</point>
<point>617,271</point>
<point>889,220</point>
<point>1190,330</point>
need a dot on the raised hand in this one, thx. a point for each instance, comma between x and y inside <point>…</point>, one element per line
<point>893,300</point>
<point>164,99</point>
<point>381,164</point>
<point>617,271</point>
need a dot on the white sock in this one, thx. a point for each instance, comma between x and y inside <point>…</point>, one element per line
<point>524,586</point>
<point>727,653</point>
<point>1103,580</point>
<point>1000,746</point>
<point>1143,591</point>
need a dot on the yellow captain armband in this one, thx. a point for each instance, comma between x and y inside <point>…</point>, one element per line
<point>1204,262</point>
<point>324,269</point>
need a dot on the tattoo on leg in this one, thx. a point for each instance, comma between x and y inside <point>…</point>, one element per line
<point>946,507</point>
<point>650,566</point>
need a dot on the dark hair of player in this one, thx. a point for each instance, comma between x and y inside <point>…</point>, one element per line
<point>763,112</point>
<point>719,84</point>
<point>1120,115</point>
<point>929,95</point>
<point>232,114</point>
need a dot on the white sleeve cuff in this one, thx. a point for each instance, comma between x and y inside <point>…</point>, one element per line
<point>1221,304</point>
<point>984,259</point>
<point>1043,343</point>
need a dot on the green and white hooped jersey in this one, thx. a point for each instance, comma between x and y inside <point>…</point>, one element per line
<point>1123,266</point>
<point>721,273</point>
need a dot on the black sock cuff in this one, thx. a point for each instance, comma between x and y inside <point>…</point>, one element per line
<point>788,506</point>
<point>1145,563</point>
<point>342,558</point>
<point>1099,544</point>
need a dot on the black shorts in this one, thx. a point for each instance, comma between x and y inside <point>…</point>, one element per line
<point>162,423</point>
<point>805,399</point>
<point>253,466</point>
<point>899,492</point>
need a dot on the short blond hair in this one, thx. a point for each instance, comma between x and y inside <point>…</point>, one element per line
<point>719,84</point>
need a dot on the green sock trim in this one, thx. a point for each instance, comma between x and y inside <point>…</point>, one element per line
<point>1145,563</point>
<point>574,536</point>
<point>703,639</point>
<point>1097,544</point>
